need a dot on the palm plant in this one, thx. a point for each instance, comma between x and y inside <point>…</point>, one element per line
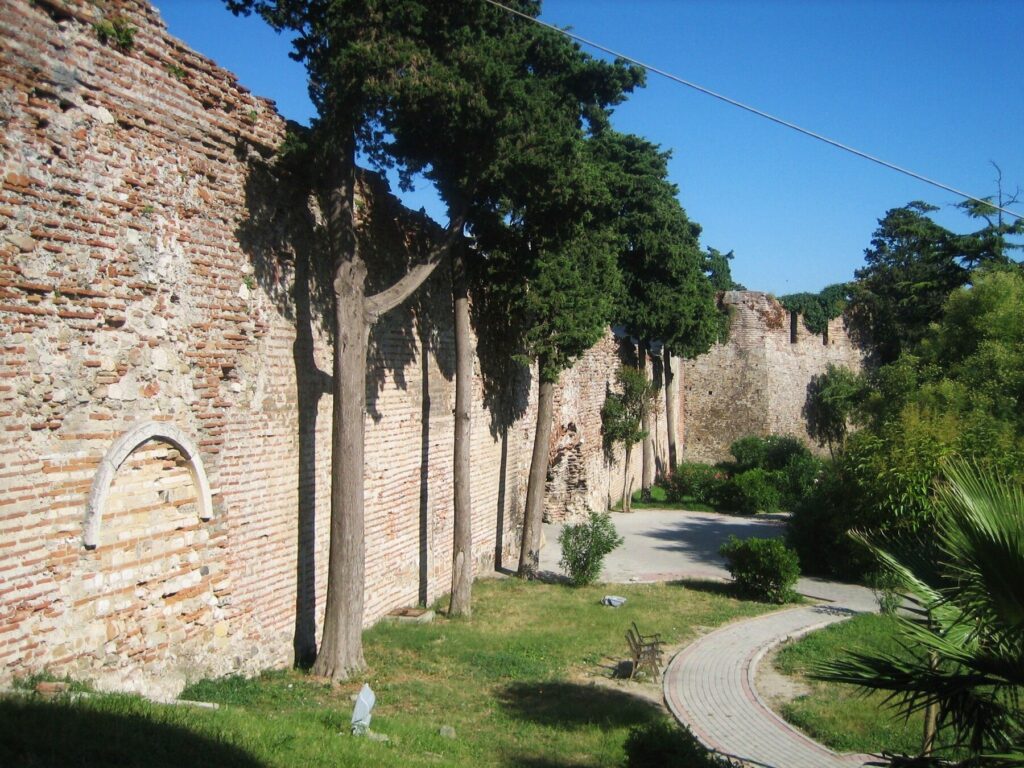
<point>963,631</point>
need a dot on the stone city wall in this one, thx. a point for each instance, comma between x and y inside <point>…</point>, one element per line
<point>757,382</point>
<point>153,283</point>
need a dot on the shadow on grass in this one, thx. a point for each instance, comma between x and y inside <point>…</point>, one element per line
<point>570,706</point>
<point>35,734</point>
<point>708,586</point>
<point>533,761</point>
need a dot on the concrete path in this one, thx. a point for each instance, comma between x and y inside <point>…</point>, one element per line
<point>710,684</point>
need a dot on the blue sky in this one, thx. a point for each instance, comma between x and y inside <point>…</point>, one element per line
<point>933,86</point>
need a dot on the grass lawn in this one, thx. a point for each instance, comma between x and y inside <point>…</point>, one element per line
<point>659,500</point>
<point>525,682</point>
<point>840,715</point>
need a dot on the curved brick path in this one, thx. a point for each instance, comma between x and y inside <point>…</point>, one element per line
<point>709,686</point>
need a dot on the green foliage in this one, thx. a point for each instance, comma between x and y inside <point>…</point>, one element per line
<point>913,265</point>
<point>663,743</point>
<point>665,294</point>
<point>965,632</point>
<point>765,569</point>
<point>818,308</point>
<point>716,265</point>
<point>585,545</point>
<point>838,715</point>
<point>772,453</point>
<point>755,490</point>
<point>178,73</point>
<point>832,401</point>
<point>622,412</point>
<point>116,31</point>
<point>700,482</point>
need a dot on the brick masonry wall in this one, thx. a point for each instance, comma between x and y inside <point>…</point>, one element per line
<point>756,383</point>
<point>152,270</point>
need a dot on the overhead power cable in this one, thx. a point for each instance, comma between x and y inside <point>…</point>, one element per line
<point>755,110</point>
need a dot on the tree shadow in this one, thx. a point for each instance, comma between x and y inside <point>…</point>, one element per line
<point>707,586</point>
<point>283,236</point>
<point>520,760</point>
<point>698,538</point>
<point>291,264</point>
<point>36,734</point>
<point>571,706</point>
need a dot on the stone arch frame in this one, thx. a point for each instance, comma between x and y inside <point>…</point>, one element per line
<point>121,450</point>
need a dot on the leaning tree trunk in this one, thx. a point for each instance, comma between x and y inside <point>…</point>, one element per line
<point>529,552</point>
<point>647,473</point>
<point>462,548</point>
<point>671,408</point>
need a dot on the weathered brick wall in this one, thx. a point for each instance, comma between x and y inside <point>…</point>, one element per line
<point>152,270</point>
<point>757,382</point>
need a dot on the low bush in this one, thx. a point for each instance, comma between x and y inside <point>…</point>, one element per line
<point>585,545</point>
<point>661,743</point>
<point>802,474</point>
<point>755,490</point>
<point>699,482</point>
<point>765,569</point>
<point>772,453</point>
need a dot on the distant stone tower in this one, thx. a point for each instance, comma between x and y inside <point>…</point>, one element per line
<point>756,383</point>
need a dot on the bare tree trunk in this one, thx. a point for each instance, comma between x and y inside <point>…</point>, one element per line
<point>627,500</point>
<point>931,717</point>
<point>647,474</point>
<point>341,650</point>
<point>462,548</point>
<point>671,409</point>
<point>529,552</point>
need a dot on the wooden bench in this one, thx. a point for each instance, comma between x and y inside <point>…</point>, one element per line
<point>646,651</point>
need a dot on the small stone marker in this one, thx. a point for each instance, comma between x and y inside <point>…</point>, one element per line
<point>613,600</point>
<point>447,732</point>
<point>361,712</point>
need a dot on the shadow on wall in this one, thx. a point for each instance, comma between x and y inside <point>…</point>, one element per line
<point>118,731</point>
<point>281,238</point>
<point>292,262</point>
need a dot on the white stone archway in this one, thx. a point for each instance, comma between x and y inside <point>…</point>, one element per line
<point>121,450</point>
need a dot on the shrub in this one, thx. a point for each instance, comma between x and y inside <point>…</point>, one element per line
<point>755,490</point>
<point>772,453</point>
<point>765,569</point>
<point>802,474</point>
<point>585,545</point>
<point>750,452</point>
<point>700,482</point>
<point>819,525</point>
<point>661,743</point>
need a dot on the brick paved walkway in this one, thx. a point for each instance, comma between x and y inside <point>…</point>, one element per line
<point>709,686</point>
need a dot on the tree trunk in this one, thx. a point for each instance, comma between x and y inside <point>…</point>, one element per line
<point>647,474</point>
<point>627,501</point>
<point>341,650</point>
<point>931,717</point>
<point>529,552</point>
<point>462,548</point>
<point>671,408</point>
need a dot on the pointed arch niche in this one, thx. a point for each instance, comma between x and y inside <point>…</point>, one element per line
<point>121,450</point>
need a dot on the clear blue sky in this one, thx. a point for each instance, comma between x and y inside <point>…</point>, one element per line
<point>933,86</point>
